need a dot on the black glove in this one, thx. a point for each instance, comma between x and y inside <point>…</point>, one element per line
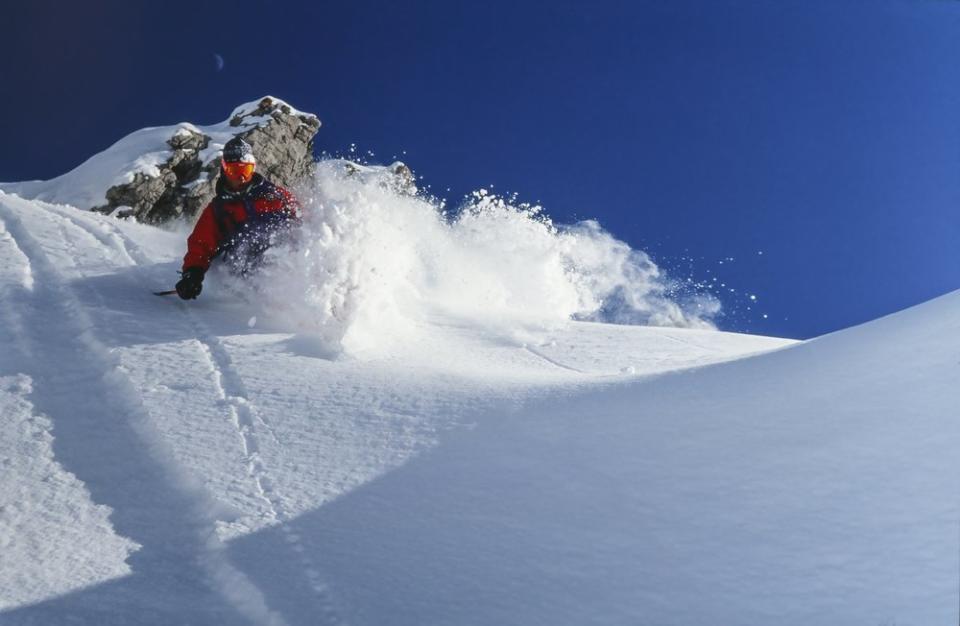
<point>191,284</point>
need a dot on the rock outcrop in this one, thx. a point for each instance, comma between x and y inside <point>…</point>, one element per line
<point>181,185</point>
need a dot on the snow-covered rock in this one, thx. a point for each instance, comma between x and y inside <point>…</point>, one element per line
<point>156,174</point>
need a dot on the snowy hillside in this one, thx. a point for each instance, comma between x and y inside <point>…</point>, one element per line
<point>398,427</point>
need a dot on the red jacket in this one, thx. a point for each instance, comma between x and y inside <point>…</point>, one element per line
<point>234,217</point>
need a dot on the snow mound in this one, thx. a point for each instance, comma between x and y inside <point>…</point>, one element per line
<point>812,485</point>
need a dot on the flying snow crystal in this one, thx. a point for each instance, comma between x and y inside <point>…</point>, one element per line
<point>218,61</point>
<point>374,262</point>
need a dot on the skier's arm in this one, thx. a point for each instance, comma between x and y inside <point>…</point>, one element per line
<point>203,241</point>
<point>290,204</point>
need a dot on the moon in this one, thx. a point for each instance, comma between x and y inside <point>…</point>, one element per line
<point>218,60</point>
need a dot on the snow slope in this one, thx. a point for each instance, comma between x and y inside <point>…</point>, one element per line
<point>212,462</point>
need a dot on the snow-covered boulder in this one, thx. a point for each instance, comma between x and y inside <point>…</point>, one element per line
<point>156,174</point>
<point>281,136</point>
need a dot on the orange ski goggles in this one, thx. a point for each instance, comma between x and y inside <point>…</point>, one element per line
<point>238,171</point>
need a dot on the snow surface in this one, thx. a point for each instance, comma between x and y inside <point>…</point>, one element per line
<point>140,152</point>
<point>396,426</point>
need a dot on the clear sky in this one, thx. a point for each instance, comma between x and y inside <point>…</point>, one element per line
<point>806,152</point>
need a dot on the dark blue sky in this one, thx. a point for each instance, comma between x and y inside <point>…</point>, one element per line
<point>824,134</point>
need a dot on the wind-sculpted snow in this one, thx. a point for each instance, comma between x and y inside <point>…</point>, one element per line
<point>44,509</point>
<point>372,262</point>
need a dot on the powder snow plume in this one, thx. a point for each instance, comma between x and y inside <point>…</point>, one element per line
<point>373,263</point>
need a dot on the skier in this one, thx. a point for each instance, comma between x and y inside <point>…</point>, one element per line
<point>240,223</point>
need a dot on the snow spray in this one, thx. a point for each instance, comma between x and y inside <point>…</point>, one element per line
<point>373,262</point>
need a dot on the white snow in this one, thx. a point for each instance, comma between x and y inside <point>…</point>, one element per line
<point>402,426</point>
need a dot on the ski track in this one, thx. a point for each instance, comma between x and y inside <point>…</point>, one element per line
<point>552,361</point>
<point>13,319</point>
<point>241,412</point>
<point>245,418</point>
<point>689,344</point>
<point>229,386</point>
<point>115,239</point>
<point>26,279</point>
<point>179,529</point>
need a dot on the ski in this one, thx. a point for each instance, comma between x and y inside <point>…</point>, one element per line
<point>165,293</point>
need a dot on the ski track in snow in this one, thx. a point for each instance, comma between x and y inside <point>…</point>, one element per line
<point>246,419</point>
<point>12,319</point>
<point>26,279</point>
<point>551,361</point>
<point>689,344</point>
<point>180,527</point>
<point>114,239</point>
<point>231,392</point>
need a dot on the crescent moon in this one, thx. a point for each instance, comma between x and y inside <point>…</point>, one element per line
<point>218,60</point>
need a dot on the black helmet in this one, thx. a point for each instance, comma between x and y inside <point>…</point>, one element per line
<point>238,150</point>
